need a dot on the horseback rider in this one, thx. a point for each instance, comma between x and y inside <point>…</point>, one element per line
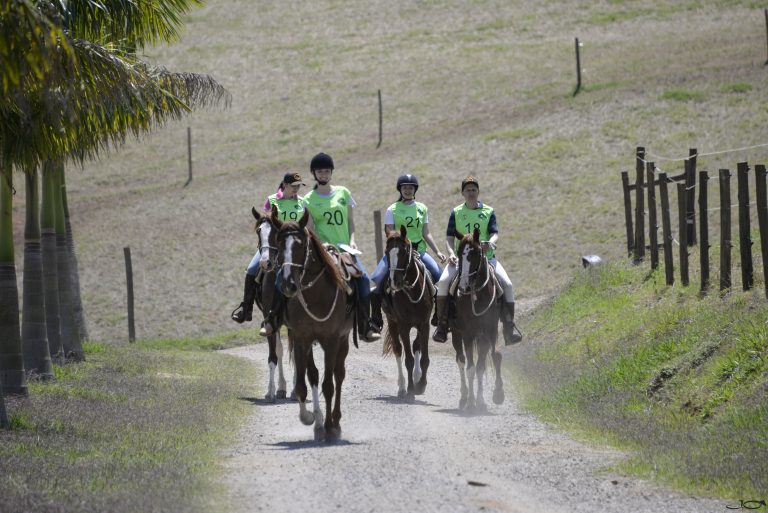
<point>464,219</point>
<point>412,214</point>
<point>331,209</point>
<point>290,207</point>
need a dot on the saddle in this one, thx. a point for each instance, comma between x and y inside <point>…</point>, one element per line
<point>347,266</point>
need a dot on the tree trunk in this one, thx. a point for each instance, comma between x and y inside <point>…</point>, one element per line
<point>12,373</point>
<point>70,338</point>
<point>74,268</point>
<point>50,276</point>
<point>34,343</point>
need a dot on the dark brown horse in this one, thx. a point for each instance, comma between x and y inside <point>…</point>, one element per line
<point>266,289</point>
<point>407,304</point>
<point>476,324</point>
<point>317,310</point>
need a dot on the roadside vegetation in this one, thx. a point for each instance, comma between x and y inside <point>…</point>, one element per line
<point>678,379</point>
<point>135,427</point>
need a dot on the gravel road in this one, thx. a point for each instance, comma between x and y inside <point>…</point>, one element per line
<point>425,456</point>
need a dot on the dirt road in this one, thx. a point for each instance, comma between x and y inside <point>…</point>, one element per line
<point>425,456</point>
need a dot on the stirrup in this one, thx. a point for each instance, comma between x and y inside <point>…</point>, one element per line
<point>371,336</point>
<point>440,334</point>
<point>238,314</point>
<point>266,329</point>
<point>514,338</point>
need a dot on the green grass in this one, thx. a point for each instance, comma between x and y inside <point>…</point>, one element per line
<point>677,379</point>
<point>682,95</point>
<point>134,428</point>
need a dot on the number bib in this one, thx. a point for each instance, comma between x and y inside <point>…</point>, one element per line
<point>288,209</point>
<point>330,215</point>
<point>412,217</point>
<point>467,219</point>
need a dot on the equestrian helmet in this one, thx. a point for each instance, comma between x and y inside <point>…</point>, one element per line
<point>407,179</point>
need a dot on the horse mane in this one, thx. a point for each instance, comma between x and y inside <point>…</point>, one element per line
<point>326,259</point>
<point>394,234</point>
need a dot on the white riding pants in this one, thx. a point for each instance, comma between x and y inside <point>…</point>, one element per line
<point>506,284</point>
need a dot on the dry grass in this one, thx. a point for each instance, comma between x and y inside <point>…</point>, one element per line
<point>481,88</point>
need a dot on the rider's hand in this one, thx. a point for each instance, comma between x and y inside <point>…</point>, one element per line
<point>453,260</point>
<point>352,244</point>
<point>487,245</point>
<point>441,257</point>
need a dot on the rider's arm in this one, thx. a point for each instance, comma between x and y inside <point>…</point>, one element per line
<point>431,243</point>
<point>351,217</point>
<point>449,239</point>
<point>493,230</point>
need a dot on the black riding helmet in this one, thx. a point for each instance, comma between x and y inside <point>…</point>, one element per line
<point>407,179</point>
<point>320,161</point>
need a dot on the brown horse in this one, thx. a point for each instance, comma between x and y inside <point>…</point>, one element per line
<point>317,309</point>
<point>407,304</point>
<point>264,296</point>
<point>476,324</point>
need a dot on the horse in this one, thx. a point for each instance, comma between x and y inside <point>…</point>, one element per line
<point>317,309</point>
<point>264,295</point>
<point>476,323</point>
<point>407,304</point>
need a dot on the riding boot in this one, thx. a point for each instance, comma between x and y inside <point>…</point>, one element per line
<point>377,322</point>
<point>244,312</point>
<point>364,325</point>
<point>272,320</point>
<point>441,311</point>
<point>512,335</point>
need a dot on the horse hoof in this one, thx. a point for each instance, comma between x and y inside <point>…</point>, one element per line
<point>462,403</point>
<point>401,393</point>
<point>281,394</point>
<point>410,398</point>
<point>498,396</point>
<point>420,387</point>
<point>293,395</point>
<point>332,433</point>
<point>307,418</point>
<point>269,398</point>
<point>481,408</point>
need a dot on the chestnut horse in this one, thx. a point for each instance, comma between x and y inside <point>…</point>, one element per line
<point>476,324</point>
<point>407,304</point>
<point>265,293</point>
<point>317,309</point>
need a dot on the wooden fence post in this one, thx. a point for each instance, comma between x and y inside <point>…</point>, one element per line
<point>682,204</point>
<point>725,229</point>
<point>628,212</point>
<point>381,122</point>
<point>578,68</point>
<point>762,218</point>
<point>703,231</point>
<point>189,155</point>
<point>639,205</point>
<point>377,234</point>
<point>690,187</point>
<point>653,228</point>
<point>669,269</point>
<point>745,237</point>
<point>4,423</point>
<point>766,29</point>
<point>129,285</point>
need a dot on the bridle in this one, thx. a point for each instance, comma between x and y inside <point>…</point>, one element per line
<point>420,276</point>
<point>474,289</point>
<point>262,245</point>
<point>303,269</point>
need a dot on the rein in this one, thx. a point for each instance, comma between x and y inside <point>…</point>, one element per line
<point>419,274</point>
<point>474,290</point>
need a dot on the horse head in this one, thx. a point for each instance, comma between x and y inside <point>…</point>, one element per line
<point>400,256</point>
<point>471,260</point>
<point>266,235</point>
<point>292,241</point>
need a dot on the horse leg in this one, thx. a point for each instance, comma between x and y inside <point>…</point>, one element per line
<point>330,362</point>
<point>397,349</point>
<point>281,393</point>
<point>461,361</point>
<point>300,360</point>
<point>272,362</point>
<point>470,353</point>
<point>404,334</point>
<point>421,350</point>
<point>339,373</point>
<point>314,380</point>
<point>498,391</point>
<point>482,357</point>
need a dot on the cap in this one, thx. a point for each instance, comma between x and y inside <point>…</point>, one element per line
<point>468,180</point>
<point>292,179</point>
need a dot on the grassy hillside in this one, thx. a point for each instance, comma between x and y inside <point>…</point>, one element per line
<point>680,380</point>
<point>481,88</point>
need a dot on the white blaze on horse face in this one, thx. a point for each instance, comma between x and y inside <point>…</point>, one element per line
<point>464,268</point>
<point>392,264</point>
<point>264,231</point>
<point>287,258</point>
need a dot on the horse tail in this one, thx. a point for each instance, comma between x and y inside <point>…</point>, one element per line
<point>390,338</point>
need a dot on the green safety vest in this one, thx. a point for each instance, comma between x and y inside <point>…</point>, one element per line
<point>288,209</point>
<point>467,219</point>
<point>330,215</point>
<point>412,217</point>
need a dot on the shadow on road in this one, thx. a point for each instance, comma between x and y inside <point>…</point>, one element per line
<point>320,443</point>
<point>260,401</point>
<point>392,399</point>
<point>464,413</point>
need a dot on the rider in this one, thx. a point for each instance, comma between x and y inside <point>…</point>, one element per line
<point>290,207</point>
<point>463,220</point>
<point>331,209</point>
<point>408,212</point>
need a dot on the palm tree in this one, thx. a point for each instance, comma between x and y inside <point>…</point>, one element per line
<point>72,89</point>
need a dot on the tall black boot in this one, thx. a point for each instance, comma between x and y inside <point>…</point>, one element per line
<point>244,312</point>
<point>364,327</point>
<point>441,311</point>
<point>377,322</point>
<point>512,335</point>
